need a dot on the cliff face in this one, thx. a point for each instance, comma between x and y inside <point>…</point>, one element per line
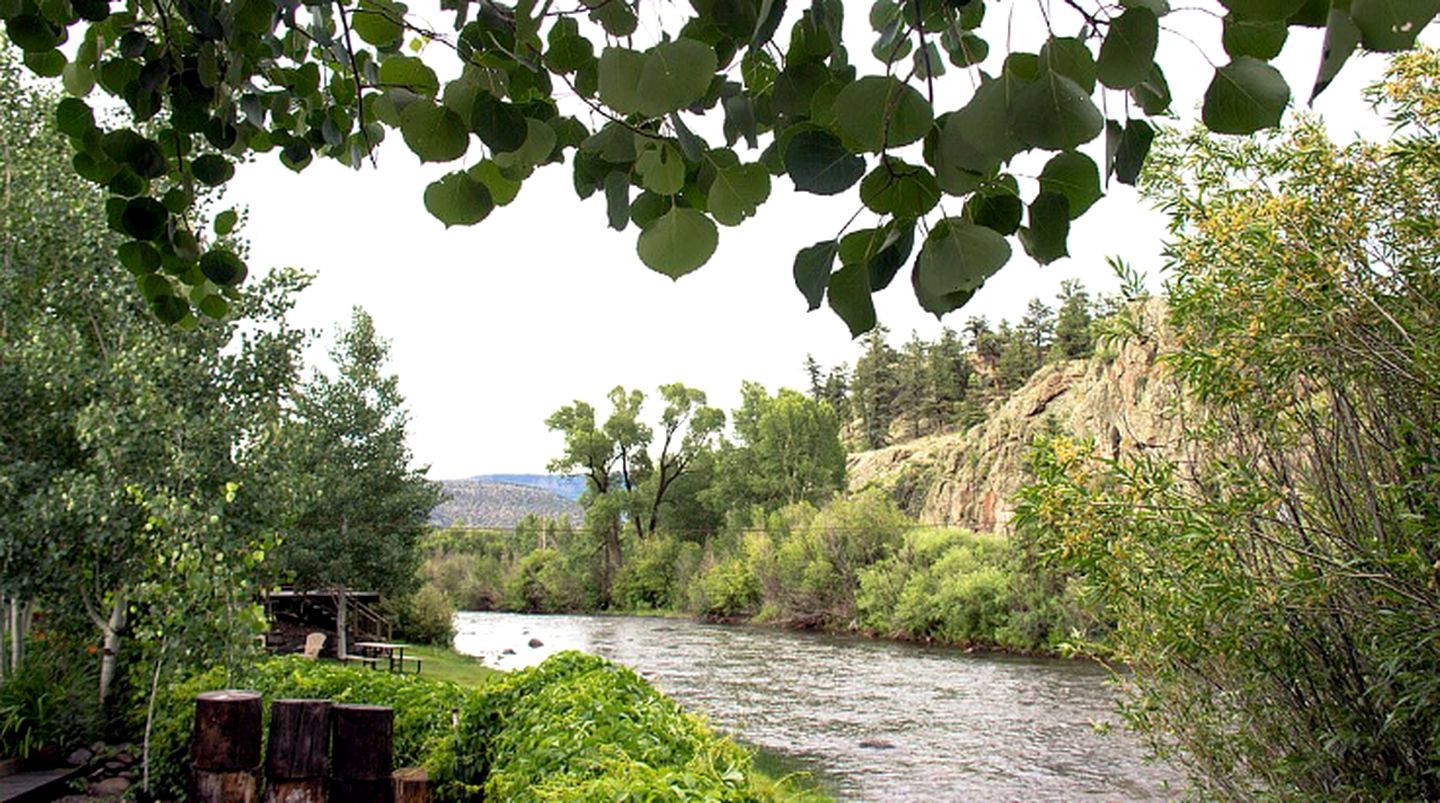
<point>1123,398</point>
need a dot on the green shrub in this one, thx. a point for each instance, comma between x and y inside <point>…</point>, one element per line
<point>961,587</point>
<point>580,728</point>
<point>49,700</point>
<point>543,581</point>
<point>426,617</point>
<point>808,562</point>
<point>647,580</point>
<point>724,591</point>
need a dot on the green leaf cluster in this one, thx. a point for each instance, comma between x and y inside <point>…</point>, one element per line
<point>209,85</point>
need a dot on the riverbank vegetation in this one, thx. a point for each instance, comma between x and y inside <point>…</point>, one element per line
<point>1273,586</point>
<point>855,564</point>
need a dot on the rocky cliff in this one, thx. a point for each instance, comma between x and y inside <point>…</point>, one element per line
<point>1122,397</point>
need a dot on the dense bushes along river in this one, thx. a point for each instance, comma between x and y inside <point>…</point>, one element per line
<point>855,565</point>
<point>576,727</point>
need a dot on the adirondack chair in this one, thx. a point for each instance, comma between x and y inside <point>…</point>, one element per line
<point>313,644</point>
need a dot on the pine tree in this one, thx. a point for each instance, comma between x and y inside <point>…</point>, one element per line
<point>913,400</point>
<point>1072,324</point>
<point>875,388</point>
<point>1038,329</point>
<point>814,374</point>
<point>948,372</point>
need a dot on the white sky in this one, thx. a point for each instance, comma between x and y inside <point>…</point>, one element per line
<point>495,326</point>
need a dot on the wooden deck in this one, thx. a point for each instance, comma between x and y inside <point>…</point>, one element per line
<point>37,787</point>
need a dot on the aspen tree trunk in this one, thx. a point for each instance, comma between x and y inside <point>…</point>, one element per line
<point>342,647</point>
<point>12,627</point>
<point>24,616</point>
<point>111,645</point>
<point>6,628</point>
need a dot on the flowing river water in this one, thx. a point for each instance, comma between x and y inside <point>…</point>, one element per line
<point>871,720</point>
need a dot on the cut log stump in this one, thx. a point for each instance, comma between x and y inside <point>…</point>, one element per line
<point>412,785</point>
<point>225,747</point>
<point>362,743</point>
<point>370,790</point>
<point>227,731</point>
<point>299,739</point>
<point>308,790</point>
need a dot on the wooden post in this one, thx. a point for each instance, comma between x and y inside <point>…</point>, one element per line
<point>296,758</point>
<point>362,754</point>
<point>412,785</point>
<point>225,747</point>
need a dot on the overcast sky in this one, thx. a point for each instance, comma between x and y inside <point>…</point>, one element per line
<point>495,326</point>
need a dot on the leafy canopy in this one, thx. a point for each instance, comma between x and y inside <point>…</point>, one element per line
<point>206,84</point>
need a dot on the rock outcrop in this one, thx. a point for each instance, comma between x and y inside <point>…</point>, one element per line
<point>1123,398</point>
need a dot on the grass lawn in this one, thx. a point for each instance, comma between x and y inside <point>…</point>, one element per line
<point>443,663</point>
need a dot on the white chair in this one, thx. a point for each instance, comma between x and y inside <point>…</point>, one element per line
<point>314,643</point>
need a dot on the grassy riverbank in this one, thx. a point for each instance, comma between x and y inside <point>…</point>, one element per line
<point>443,663</point>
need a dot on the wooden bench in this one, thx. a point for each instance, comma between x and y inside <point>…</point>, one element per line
<point>400,664</point>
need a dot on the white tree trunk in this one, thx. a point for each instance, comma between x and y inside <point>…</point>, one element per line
<point>111,645</point>
<point>17,633</point>
<point>5,630</point>
<point>150,720</point>
<point>342,647</point>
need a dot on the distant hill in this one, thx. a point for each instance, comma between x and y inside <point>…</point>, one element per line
<point>568,487</point>
<point>499,505</point>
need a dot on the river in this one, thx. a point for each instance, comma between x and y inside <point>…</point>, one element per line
<point>871,720</point>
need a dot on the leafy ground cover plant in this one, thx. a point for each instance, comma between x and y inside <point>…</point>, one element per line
<point>576,727</point>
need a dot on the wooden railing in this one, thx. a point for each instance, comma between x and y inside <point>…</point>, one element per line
<point>370,624</point>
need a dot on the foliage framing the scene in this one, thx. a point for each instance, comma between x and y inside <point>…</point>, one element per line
<point>207,83</point>
<point>1275,592</point>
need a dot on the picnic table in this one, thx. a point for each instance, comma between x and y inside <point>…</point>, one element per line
<point>393,654</point>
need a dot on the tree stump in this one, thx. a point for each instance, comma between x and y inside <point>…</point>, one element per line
<point>296,790</point>
<point>412,785</point>
<point>214,786</point>
<point>362,754</point>
<point>371,790</point>
<point>225,747</point>
<point>296,759</point>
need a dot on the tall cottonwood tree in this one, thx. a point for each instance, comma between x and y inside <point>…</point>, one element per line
<point>786,450</point>
<point>623,480</point>
<point>619,88</point>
